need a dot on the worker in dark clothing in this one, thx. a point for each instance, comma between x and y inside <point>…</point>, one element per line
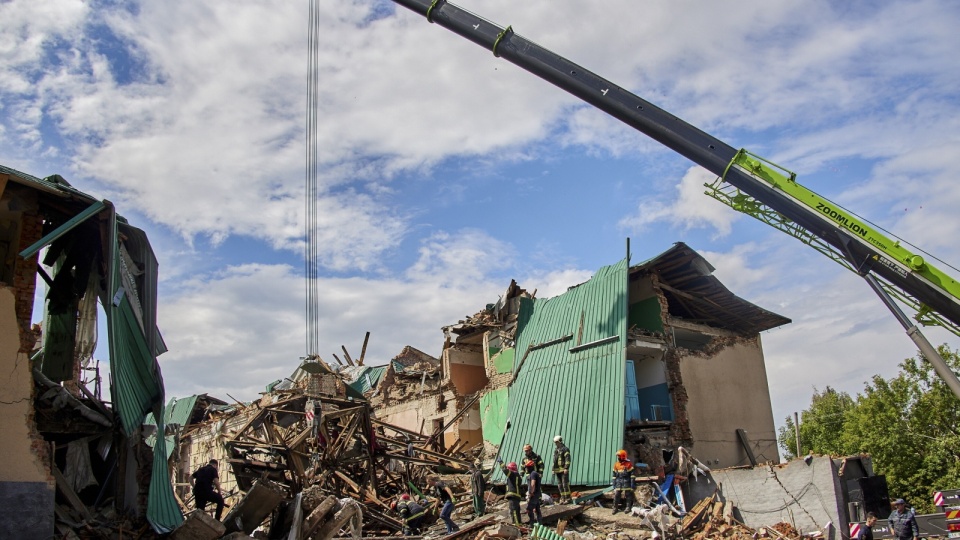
<point>411,514</point>
<point>622,482</point>
<point>446,500</point>
<point>534,492</point>
<point>206,487</point>
<point>903,522</point>
<point>866,532</point>
<point>478,485</point>
<point>513,490</point>
<point>561,468</point>
<point>529,454</point>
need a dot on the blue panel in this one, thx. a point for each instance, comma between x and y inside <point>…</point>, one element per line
<point>655,400</point>
<point>632,405</point>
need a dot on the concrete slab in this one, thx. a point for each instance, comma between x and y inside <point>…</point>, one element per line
<point>198,526</point>
<point>250,512</point>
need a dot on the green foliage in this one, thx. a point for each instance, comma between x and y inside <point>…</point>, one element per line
<point>821,426</point>
<point>908,424</point>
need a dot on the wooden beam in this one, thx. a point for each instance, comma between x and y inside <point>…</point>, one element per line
<point>363,351</point>
<point>71,495</point>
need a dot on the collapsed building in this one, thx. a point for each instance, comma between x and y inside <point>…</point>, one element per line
<point>61,440</point>
<point>648,357</point>
<point>656,357</point>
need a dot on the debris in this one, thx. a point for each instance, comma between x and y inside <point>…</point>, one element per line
<point>198,526</point>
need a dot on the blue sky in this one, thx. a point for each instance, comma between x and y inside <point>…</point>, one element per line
<point>445,172</point>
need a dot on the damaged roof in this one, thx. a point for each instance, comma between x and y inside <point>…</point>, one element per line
<point>694,295</point>
<point>411,359</point>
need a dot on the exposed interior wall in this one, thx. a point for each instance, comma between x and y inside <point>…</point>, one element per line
<point>644,307</point>
<point>469,427</point>
<point>493,414</point>
<point>464,366</point>
<point>726,389</point>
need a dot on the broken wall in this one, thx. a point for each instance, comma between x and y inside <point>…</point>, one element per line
<point>27,489</point>
<point>809,496</point>
<point>427,414</point>
<point>463,366</point>
<point>26,486</point>
<point>726,389</point>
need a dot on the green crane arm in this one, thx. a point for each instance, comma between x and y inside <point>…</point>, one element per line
<point>885,264</point>
<point>888,253</point>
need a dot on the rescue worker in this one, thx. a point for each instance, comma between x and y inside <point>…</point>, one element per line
<point>446,500</point>
<point>903,522</point>
<point>622,482</point>
<point>534,492</point>
<point>206,487</point>
<point>561,468</point>
<point>478,485</point>
<point>411,514</point>
<point>529,454</point>
<point>513,490</point>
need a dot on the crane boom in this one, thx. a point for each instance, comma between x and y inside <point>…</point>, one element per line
<point>862,245</point>
<point>758,184</point>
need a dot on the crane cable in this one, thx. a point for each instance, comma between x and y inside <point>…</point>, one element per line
<point>311,258</point>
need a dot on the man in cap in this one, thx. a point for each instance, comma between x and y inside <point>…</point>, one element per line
<point>561,468</point>
<point>903,522</point>
<point>206,487</point>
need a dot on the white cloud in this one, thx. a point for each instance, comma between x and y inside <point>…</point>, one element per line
<point>689,209</point>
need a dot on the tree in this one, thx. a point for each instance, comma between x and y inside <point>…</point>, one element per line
<point>908,424</point>
<point>821,426</point>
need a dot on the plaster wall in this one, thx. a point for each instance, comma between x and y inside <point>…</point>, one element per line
<point>27,489</point>
<point>20,445</point>
<point>727,389</point>
<point>465,368</point>
<point>810,496</point>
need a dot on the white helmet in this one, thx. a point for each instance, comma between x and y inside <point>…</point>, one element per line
<point>558,439</point>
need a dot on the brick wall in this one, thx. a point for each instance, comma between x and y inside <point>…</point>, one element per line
<point>25,277</point>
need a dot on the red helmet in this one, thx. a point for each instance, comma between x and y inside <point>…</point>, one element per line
<point>405,497</point>
<point>529,464</point>
<point>512,466</point>
<point>621,454</point>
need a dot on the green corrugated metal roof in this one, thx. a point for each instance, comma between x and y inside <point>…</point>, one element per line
<point>178,411</point>
<point>368,379</point>
<point>580,394</point>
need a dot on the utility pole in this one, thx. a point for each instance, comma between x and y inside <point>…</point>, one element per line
<point>796,430</point>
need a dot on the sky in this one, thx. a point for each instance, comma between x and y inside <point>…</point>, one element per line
<point>445,172</point>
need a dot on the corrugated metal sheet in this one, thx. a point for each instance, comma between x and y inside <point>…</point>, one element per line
<point>138,385</point>
<point>579,394</point>
<point>368,379</point>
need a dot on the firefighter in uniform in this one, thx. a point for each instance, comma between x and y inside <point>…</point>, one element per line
<point>534,493</point>
<point>513,491</point>
<point>561,468</point>
<point>622,482</point>
<point>411,514</point>
<point>530,455</point>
